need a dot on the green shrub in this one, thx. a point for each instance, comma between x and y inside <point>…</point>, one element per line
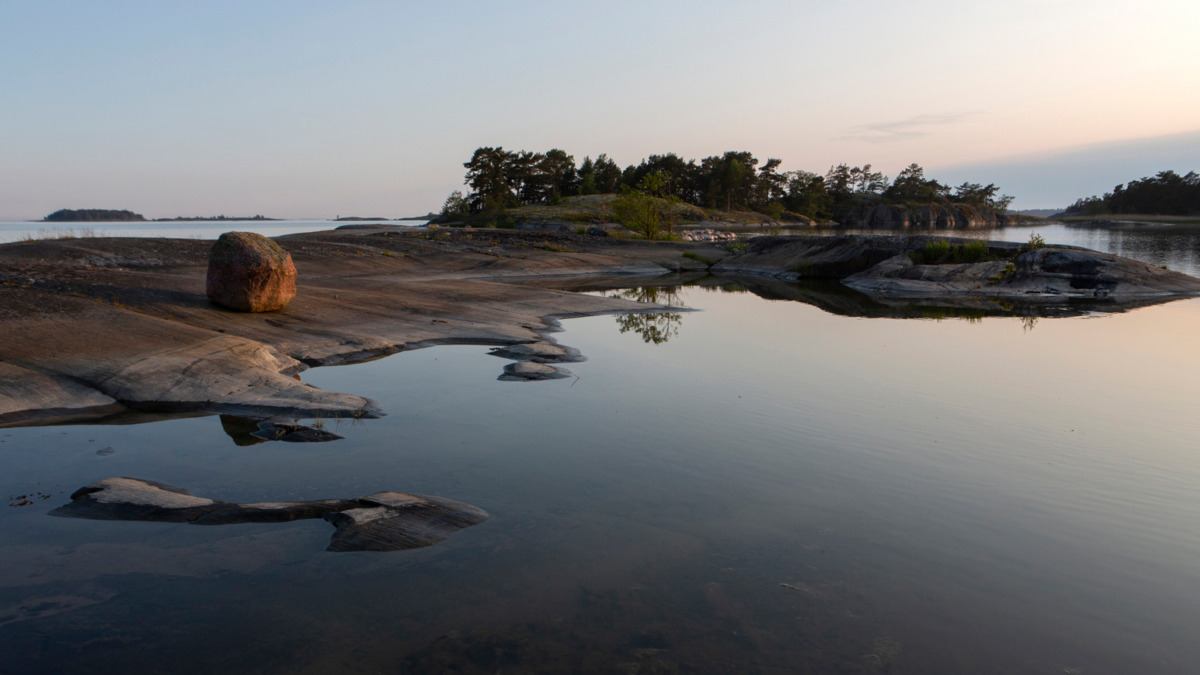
<point>941,252</point>
<point>974,251</point>
<point>932,254</point>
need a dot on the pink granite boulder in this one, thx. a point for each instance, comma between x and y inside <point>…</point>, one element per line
<point>249,273</point>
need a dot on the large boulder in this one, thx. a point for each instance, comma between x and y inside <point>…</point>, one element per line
<point>249,273</point>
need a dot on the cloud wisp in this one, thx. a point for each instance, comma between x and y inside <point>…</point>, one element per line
<point>902,130</point>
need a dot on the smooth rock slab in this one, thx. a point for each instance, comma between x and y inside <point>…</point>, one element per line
<point>384,521</point>
<point>23,390</point>
<point>249,273</point>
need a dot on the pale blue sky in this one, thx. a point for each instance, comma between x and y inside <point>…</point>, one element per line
<point>295,109</point>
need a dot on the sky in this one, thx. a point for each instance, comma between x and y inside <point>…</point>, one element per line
<point>297,109</point>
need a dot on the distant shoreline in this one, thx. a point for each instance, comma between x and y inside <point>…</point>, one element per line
<point>191,219</point>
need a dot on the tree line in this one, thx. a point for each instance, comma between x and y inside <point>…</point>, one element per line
<point>1166,193</point>
<point>499,179</point>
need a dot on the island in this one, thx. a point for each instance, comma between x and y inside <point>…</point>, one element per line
<point>664,192</point>
<point>91,215</point>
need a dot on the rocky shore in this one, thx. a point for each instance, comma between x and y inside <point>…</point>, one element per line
<point>99,326</point>
<point>96,326</point>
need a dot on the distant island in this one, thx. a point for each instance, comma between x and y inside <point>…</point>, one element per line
<point>1164,194</point>
<point>97,215</point>
<point>1038,213</point>
<point>208,218</point>
<point>91,215</point>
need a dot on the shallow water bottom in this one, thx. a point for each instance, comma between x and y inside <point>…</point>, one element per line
<point>770,488</point>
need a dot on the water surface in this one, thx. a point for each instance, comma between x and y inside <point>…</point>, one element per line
<point>18,230</point>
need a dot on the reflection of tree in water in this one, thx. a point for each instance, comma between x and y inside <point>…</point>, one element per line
<point>655,328</point>
<point>1028,323</point>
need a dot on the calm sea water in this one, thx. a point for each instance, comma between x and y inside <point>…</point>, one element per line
<point>772,488</point>
<point>18,230</point>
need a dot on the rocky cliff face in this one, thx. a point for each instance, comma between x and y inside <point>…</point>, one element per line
<point>938,216</point>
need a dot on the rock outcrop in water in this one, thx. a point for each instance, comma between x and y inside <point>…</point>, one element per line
<point>884,266</point>
<point>539,352</point>
<point>532,371</point>
<point>384,521</point>
<point>1048,273</point>
<point>249,273</point>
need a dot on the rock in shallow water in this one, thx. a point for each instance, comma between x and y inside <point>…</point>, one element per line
<point>529,371</point>
<point>391,521</point>
<point>384,521</point>
<point>539,352</point>
<point>249,273</point>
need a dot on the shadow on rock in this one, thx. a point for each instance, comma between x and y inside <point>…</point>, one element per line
<point>384,521</point>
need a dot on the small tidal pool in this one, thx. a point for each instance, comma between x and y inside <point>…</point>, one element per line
<point>763,485</point>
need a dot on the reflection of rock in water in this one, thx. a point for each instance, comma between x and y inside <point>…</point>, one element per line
<point>656,327</point>
<point>241,430</point>
<point>384,521</point>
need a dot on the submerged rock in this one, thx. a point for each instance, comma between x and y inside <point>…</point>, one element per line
<point>293,433</point>
<point>249,273</point>
<point>391,521</point>
<point>530,371</point>
<point>384,521</point>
